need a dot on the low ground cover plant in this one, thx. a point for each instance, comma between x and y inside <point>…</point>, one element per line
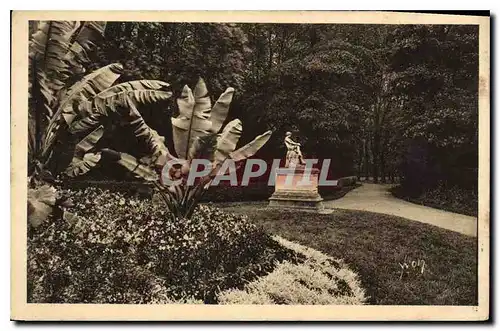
<point>123,249</point>
<point>319,279</point>
<point>116,248</point>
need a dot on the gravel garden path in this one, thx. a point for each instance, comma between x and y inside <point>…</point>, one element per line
<point>377,198</point>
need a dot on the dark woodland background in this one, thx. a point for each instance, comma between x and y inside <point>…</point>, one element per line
<point>385,101</point>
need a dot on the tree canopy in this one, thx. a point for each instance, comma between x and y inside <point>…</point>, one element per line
<point>379,100</point>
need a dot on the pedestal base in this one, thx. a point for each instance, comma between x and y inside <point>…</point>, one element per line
<point>297,189</point>
<point>296,200</point>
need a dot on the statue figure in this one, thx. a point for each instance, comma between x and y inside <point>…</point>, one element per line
<point>293,155</point>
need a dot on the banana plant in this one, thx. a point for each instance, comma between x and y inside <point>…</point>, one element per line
<point>65,102</point>
<point>198,133</point>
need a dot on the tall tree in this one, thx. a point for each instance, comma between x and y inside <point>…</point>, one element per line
<point>436,79</point>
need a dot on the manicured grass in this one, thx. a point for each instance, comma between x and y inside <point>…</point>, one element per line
<point>375,245</point>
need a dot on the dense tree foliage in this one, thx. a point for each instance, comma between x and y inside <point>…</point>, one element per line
<point>379,100</point>
<point>436,80</point>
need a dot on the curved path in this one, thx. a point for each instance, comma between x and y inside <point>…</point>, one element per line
<point>376,198</point>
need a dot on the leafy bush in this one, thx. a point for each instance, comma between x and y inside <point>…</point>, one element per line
<point>128,188</point>
<point>121,249</point>
<point>252,192</point>
<point>347,181</point>
<point>454,198</point>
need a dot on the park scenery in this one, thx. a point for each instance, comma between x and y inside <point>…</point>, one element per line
<point>252,163</point>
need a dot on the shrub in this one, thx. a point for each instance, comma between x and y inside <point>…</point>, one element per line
<point>454,198</point>
<point>253,192</point>
<point>121,249</point>
<point>128,188</point>
<point>347,181</point>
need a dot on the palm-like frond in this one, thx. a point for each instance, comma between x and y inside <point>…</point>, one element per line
<point>154,142</point>
<point>83,165</point>
<point>88,87</point>
<point>132,164</point>
<point>116,98</point>
<point>251,148</point>
<point>220,110</point>
<point>134,85</point>
<point>49,46</point>
<point>194,118</point>
<point>84,40</point>
<point>77,95</point>
<point>138,96</point>
<point>82,161</point>
<point>228,139</point>
<point>55,49</point>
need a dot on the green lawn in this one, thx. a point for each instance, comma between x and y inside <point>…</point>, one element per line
<point>376,245</point>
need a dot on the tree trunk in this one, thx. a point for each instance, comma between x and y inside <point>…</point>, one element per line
<point>383,171</point>
<point>376,156</point>
<point>382,167</point>
<point>359,167</point>
<point>271,50</point>
<point>366,159</point>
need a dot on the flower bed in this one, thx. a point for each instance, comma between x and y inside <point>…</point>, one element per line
<point>318,279</point>
<point>125,249</point>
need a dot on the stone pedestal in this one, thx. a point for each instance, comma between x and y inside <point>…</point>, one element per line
<point>297,189</point>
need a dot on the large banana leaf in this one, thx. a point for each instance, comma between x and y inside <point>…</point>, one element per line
<point>151,138</point>
<point>139,91</point>
<point>88,87</point>
<point>49,46</point>
<point>220,109</point>
<point>132,164</point>
<point>49,50</point>
<point>116,98</point>
<point>134,85</point>
<point>89,141</point>
<point>251,148</point>
<point>201,98</point>
<point>41,203</point>
<point>48,71</point>
<point>83,41</point>
<point>38,40</point>
<point>82,161</point>
<point>194,118</point>
<point>85,124</point>
<point>226,143</point>
<point>44,30</point>
<point>139,96</point>
<point>32,131</point>
<point>83,165</point>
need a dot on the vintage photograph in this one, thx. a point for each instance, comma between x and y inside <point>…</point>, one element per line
<point>253,163</point>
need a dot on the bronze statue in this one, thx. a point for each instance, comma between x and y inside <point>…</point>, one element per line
<point>293,155</point>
